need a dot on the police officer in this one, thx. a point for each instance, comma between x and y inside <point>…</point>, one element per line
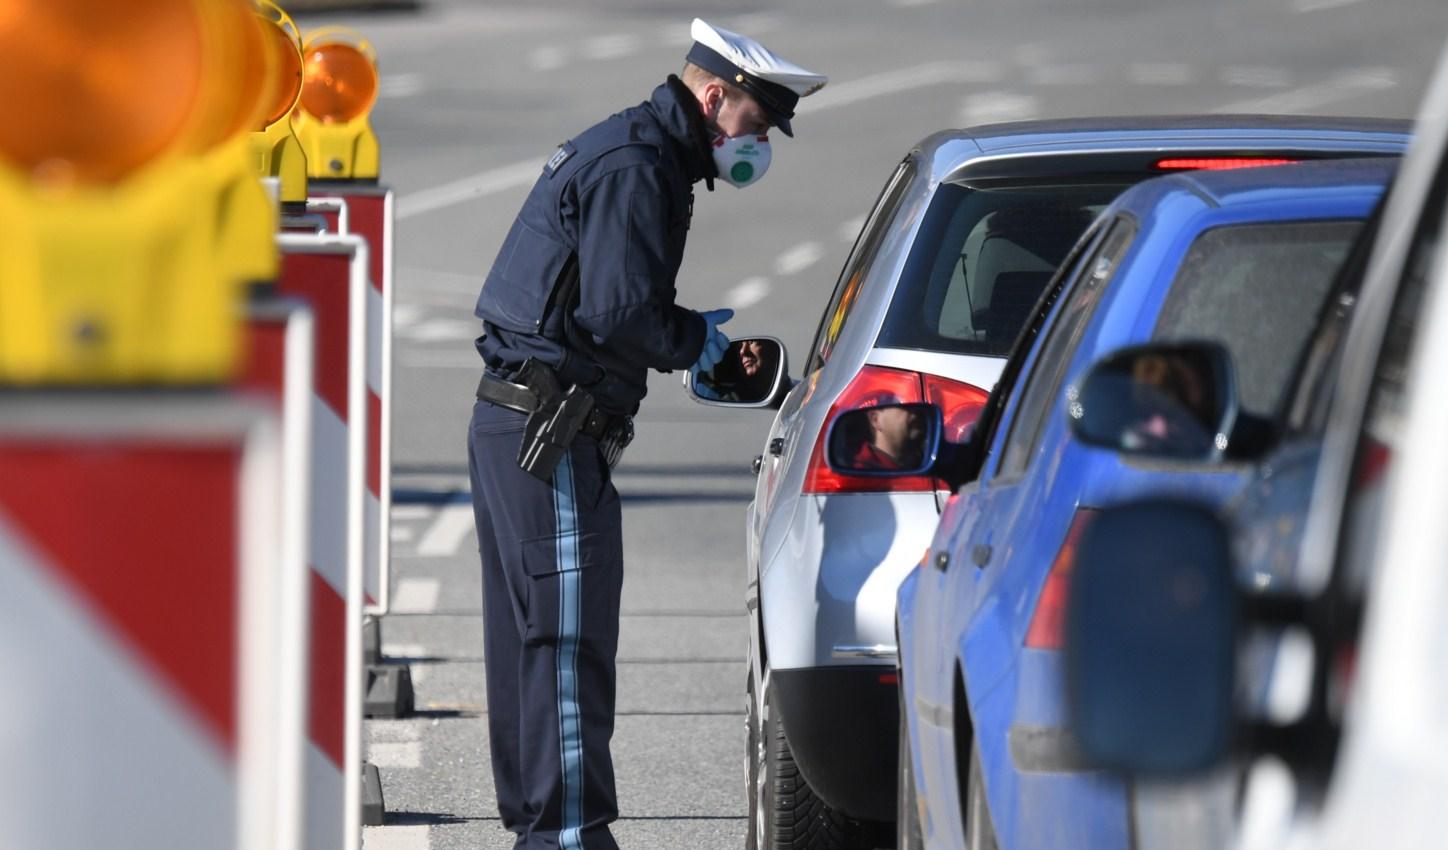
<point>577,307</point>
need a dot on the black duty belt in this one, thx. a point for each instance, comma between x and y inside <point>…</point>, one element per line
<point>599,425</point>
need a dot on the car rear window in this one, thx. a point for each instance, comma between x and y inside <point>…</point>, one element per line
<point>1258,289</point>
<point>981,259</point>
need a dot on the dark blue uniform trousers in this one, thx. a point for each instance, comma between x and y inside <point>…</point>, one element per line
<point>552,558</point>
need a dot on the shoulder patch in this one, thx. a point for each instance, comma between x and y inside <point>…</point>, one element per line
<point>563,154</point>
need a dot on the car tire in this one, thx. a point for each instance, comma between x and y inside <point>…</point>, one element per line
<point>907,813</point>
<point>786,813</point>
<point>979,829</point>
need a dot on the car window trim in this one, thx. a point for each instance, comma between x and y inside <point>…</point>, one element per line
<point>993,411</point>
<point>1000,473</point>
<point>867,241</point>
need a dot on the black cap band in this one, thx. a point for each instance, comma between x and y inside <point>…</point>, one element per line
<point>777,100</point>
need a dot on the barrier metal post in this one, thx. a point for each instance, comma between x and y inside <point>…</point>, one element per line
<point>370,215</point>
<point>329,272</point>
<point>152,614</point>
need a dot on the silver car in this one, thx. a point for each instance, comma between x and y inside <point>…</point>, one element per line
<point>953,258</point>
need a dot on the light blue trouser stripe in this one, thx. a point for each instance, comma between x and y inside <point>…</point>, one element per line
<point>570,743</point>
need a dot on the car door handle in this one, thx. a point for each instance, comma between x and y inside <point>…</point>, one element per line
<point>758,464</point>
<point>980,555</point>
<point>776,446</point>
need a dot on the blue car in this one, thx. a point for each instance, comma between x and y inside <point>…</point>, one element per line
<point>1245,257</point>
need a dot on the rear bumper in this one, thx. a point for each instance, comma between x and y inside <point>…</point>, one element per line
<point>842,724</point>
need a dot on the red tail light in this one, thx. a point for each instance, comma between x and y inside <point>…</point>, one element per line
<point>962,404</point>
<point>1220,163</point>
<point>1047,630</point>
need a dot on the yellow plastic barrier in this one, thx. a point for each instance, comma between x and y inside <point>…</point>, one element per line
<point>131,221</point>
<point>276,152</point>
<point>339,88</point>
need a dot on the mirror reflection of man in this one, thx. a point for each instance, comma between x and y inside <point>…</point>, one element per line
<point>745,374</point>
<point>578,306</point>
<point>895,439</point>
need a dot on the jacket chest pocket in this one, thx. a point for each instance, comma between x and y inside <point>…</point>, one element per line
<point>522,283</point>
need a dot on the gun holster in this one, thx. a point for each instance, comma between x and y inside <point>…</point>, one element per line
<point>554,423</point>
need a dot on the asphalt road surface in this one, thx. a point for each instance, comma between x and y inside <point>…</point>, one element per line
<point>475,96</point>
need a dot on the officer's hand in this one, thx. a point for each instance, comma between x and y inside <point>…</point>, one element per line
<point>715,342</point>
<point>715,318</point>
<point>703,390</point>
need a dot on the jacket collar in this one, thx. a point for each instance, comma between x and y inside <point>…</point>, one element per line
<point>678,113</point>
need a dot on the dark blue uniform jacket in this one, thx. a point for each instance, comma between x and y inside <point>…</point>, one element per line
<point>612,206</point>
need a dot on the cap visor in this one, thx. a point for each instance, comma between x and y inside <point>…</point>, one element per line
<point>783,125</point>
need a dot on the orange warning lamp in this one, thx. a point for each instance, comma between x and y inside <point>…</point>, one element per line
<point>275,147</point>
<point>339,82</point>
<point>238,74</point>
<point>93,91</point>
<point>339,89</point>
<point>126,202</point>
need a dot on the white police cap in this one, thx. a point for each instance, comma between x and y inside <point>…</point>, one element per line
<point>776,84</point>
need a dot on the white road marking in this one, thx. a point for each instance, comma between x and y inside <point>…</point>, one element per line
<point>415,596</point>
<point>1346,85</point>
<point>394,733</point>
<point>1319,5</point>
<point>908,4</point>
<point>469,188</point>
<point>750,292</point>
<point>400,85</point>
<point>520,174</point>
<point>1254,76</point>
<point>402,534</point>
<point>419,674</point>
<point>410,512</point>
<point>1061,75</point>
<point>676,35</point>
<point>798,258</point>
<point>1161,73</point>
<point>406,755</point>
<point>448,358</point>
<point>549,57</point>
<point>446,534</point>
<point>850,230</point>
<point>605,47</point>
<point>996,106</point>
<point>905,79</point>
<point>396,838</point>
<point>439,330</point>
<point>404,315</point>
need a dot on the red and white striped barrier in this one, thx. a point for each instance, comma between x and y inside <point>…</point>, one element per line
<point>329,272</point>
<point>367,211</point>
<point>152,613</point>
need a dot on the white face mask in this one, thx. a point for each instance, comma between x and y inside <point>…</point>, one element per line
<point>742,160</point>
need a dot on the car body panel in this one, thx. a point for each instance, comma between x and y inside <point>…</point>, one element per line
<point>804,602</point>
<point>978,617</point>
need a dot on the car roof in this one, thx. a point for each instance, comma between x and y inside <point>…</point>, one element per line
<point>949,152</point>
<point>998,137</point>
<point>1238,187</point>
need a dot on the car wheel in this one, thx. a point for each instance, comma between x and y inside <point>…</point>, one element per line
<point>979,831</point>
<point>790,816</point>
<point>907,812</point>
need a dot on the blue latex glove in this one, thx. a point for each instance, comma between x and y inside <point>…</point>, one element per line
<point>715,342</point>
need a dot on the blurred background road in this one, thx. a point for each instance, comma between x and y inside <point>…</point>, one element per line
<point>476,95</point>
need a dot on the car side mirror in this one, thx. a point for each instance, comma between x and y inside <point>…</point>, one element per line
<point>750,374</point>
<point>885,441</point>
<point>1174,401</point>
<point>1151,619</point>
